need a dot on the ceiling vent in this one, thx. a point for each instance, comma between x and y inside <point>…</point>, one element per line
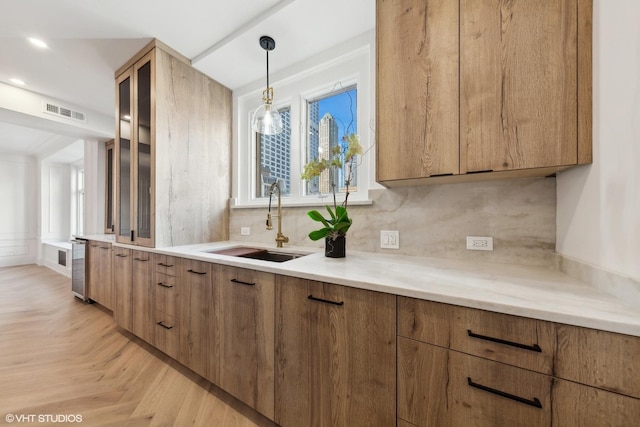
<point>60,111</point>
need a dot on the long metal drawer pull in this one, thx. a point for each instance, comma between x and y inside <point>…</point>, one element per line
<point>121,256</point>
<point>197,272</point>
<point>311,297</point>
<point>163,325</point>
<point>532,402</point>
<point>141,259</point>
<point>240,282</point>
<point>104,247</point>
<point>534,347</point>
<point>162,264</point>
<point>165,286</point>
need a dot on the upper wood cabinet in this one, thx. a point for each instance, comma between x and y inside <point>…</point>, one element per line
<point>173,138</point>
<point>135,148</point>
<point>482,89</point>
<point>417,88</point>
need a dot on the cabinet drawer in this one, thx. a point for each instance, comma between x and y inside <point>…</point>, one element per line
<point>166,331</point>
<point>518,341</point>
<point>441,387</point>
<point>584,406</point>
<point>166,264</point>
<point>487,393</point>
<point>166,293</point>
<point>601,359</point>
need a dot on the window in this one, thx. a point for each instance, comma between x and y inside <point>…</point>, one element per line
<point>274,158</point>
<point>80,202</point>
<point>320,100</point>
<point>329,119</point>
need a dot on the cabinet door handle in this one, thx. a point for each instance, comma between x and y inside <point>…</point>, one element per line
<point>311,297</point>
<point>164,285</point>
<point>197,272</point>
<point>141,259</point>
<point>132,238</point>
<point>162,264</point>
<point>121,255</point>
<point>240,282</point>
<point>533,347</point>
<point>163,325</point>
<point>104,247</point>
<point>535,402</point>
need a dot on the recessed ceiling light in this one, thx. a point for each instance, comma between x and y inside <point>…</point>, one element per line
<point>37,42</point>
<point>18,82</point>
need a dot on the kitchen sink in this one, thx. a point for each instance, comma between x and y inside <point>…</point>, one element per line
<point>259,253</point>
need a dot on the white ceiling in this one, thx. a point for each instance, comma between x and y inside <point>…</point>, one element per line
<point>89,39</point>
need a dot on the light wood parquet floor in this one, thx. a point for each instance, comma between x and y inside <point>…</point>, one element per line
<point>62,357</point>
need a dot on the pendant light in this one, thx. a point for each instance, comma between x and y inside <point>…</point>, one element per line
<point>266,119</point>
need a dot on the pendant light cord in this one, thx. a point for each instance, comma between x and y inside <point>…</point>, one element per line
<point>267,69</point>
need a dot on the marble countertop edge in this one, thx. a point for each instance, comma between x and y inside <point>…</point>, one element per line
<point>528,291</point>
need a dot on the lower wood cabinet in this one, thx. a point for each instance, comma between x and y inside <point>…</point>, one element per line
<point>243,336</point>
<point>584,406</point>
<point>335,355</point>
<point>441,387</point>
<point>307,353</point>
<point>166,304</point>
<point>142,295</point>
<point>121,277</point>
<point>132,271</point>
<point>196,313</point>
<point>466,367</point>
<point>98,275</point>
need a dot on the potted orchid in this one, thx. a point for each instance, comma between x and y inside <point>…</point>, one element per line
<point>337,223</point>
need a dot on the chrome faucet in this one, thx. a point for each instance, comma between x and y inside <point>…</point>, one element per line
<point>280,238</point>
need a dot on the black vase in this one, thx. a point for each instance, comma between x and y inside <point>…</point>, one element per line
<point>335,248</point>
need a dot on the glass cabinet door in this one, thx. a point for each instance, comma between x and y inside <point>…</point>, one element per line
<point>109,226</point>
<point>143,154</point>
<point>124,157</point>
<point>135,153</point>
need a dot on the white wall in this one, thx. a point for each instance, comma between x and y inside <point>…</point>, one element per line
<point>598,206</point>
<point>18,223</point>
<point>94,184</point>
<point>55,201</point>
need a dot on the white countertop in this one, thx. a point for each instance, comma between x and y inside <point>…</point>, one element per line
<point>535,292</point>
<point>106,238</point>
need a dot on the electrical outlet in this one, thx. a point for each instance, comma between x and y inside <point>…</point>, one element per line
<point>245,231</point>
<point>479,243</point>
<point>389,239</point>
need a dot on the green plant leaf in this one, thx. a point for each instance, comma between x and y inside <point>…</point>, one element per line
<point>316,216</point>
<point>342,225</point>
<point>319,234</point>
<point>333,216</point>
<point>340,212</point>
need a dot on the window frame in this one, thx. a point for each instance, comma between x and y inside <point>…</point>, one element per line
<point>352,64</point>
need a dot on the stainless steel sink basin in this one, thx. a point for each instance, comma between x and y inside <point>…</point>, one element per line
<point>259,253</point>
<point>272,256</point>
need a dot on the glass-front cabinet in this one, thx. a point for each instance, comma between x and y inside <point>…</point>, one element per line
<point>110,188</point>
<point>135,140</point>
